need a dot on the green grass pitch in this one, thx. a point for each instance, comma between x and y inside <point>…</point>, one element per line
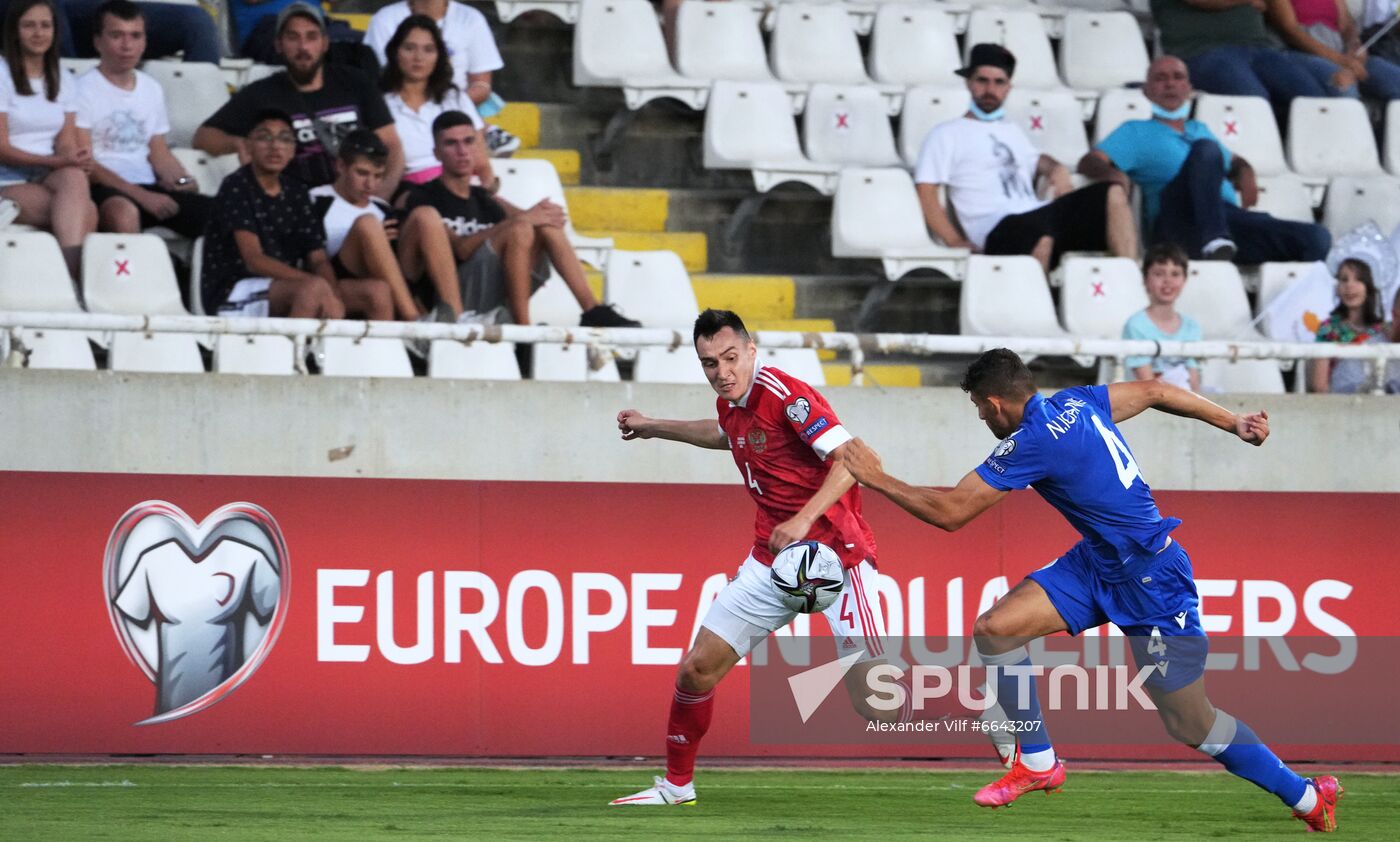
<point>43,802</point>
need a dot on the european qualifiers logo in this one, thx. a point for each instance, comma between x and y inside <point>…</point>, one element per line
<point>196,607</point>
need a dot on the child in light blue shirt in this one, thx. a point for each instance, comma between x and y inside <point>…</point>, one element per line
<point>1164,276</point>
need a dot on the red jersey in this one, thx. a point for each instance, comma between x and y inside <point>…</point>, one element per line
<point>781,433</point>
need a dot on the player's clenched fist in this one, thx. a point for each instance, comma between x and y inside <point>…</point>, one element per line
<point>860,460</point>
<point>1253,428</point>
<point>633,425</point>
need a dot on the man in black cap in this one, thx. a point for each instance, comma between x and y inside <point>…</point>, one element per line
<point>326,103</point>
<point>989,169</point>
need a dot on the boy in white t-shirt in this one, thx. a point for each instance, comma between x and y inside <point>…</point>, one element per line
<point>989,169</point>
<point>137,183</point>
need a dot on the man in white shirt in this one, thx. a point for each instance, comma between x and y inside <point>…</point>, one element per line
<point>989,169</point>
<point>136,182</point>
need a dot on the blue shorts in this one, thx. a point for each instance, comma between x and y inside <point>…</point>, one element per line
<point>1157,608</point>
<point>11,175</point>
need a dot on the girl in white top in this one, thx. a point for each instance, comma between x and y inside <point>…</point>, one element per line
<point>43,164</point>
<point>418,86</point>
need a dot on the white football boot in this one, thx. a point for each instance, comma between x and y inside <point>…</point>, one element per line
<point>662,793</point>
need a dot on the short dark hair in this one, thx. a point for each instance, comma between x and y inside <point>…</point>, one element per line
<point>712,321</point>
<point>119,9</point>
<point>998,373</point>
<point>363,143</point>
<point>265,114</point>
<point>450,120</point>
<point>1164,253</point>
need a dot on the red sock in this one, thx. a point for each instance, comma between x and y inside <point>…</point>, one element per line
<point>690,719</point>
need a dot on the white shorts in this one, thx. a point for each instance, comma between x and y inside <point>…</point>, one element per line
<point>247,298</point>
<point>748,610</point>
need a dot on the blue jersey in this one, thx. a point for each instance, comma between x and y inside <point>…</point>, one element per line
<point>1068,449</point>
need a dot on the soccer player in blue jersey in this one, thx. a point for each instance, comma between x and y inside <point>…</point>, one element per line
<point>1127,569</point>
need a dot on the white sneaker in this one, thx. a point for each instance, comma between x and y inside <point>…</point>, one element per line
<point>9,212</point>
<point>662,793</point>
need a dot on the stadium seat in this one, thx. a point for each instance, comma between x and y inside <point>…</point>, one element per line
<point>1053,121</point>
<point>802,363</point>
<point>848,126</point>
<point>1214,296</point>
<point>1274,278</point>
<point>913,45</point>
<point>1117,107</point>
<point>653,288</point>
<point>1006,296</point>
<point>749,126</point>
<point>1098,294</point>
<point>1286,196</point>
<point>341,356</point>
<point>1021,32</point>
<point>1241,377</point>
<point>664,365</point>
<point>555,362</point>
<point>1246,126</point>
<point>78,66</point>
<point>876,214</point>
<point>925,107</point>
<point>564,10</point>
<point>254,354</point>
<point>618,44</point>
<point>259,72</point>
<point>815,43</point>
<point>1102,50</point>
<point>525,181</point>
<point>474,361</point>
<point>170,353</point>
<point>33,275</point>
<point>553,304</point>
<point>193,91</point>
<point>45,348</point>
<point>1353,200</point>
<point>130,273</point>
<point>1331,136</point>
<point>209,171</point>
<point>1392,137</point>
<point>720,41</point>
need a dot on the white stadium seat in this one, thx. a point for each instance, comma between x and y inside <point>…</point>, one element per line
<point>565,10</point>
<point>1021,32</point>
<point>1274,278</point>
<point>474,361</point>
<point>1098,294</point>
<point>1214,296</point>
<point>1353,200</point>
<point>925,107</point>
<point>1331,136</point>
<point>525,181</point>
<point>1053,121</point>
<point>193,92</point>
<point>1117,107</point>
<point>653,288</point>
<point>618,44</point>
<point>34,277</point>
<point>63,349</point>
<point>130,273</point>
<point>254,354</point>
<point>848,125</point>
<point>876,214</point>
<point>169,353</point>
<point>1006,296</point>
<point>209,171</point>
<point>1102,50</point>
<point>815,43</point>
<point>572,363</point>
<point>913,45</point>
<point>1285,196</point>
<point>749,126</point>
<point>1392,137</point>
<point>1241,377</point>
<point>664,365</point>
<point>341,356</point>
<point>78,66</point>
<point>802,363</point>
<point>553,304</point>
<point>720,41</point>
<point>1246,126</point>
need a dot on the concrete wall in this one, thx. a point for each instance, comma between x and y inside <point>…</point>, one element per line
<point>420,428</point>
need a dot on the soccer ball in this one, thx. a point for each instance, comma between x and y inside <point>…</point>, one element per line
<point>808,576</point>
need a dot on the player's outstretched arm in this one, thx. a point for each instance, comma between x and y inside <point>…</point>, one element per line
<point>1131,398</point>
<point>948,510</point>
<point>635,425</point>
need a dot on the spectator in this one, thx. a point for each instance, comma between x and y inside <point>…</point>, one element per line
<point>1325,29</point>
<point>1194,192</point>
<point>254,36</point>
<point>326,102</point>
<point>470,47</point>
<point>174,28</point>
<point>1164,276</point>
<point>989,168</point>
<point>43,163</point>
<point>363,238</point>
<point>264,249</point>
<point>137,182</point>
<point>1229,51</point>
<point>418,86</point>
<point>504,253</point>
<point>1357,320</point>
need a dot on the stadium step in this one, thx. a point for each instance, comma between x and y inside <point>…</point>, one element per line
<point>521,119</point>
<point>692,246</point>
<point>881,375</point>
<point>565,161</point>
<point>618,208</point>
<point>755,298</point>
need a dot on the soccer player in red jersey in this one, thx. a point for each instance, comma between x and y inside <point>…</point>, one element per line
<point>783,435</point>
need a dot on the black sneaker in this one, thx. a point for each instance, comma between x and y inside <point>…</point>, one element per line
<point>500,143</point>
<point>605,316</point>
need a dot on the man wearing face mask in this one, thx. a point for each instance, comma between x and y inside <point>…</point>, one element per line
<point>989,169</point>
<point>1195,192</point>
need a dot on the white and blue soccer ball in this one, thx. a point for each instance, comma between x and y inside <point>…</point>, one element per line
<point>808,576</point>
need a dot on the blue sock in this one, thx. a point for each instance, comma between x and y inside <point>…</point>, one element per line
<point>1237,748</point>
<point>1009,679</point>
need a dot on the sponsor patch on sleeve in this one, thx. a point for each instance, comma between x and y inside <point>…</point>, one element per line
<point>815,427</point>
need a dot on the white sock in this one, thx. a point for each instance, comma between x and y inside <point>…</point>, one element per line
<point>1039,761</point>
<point>676,789</point>
<point>1306,804</point>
